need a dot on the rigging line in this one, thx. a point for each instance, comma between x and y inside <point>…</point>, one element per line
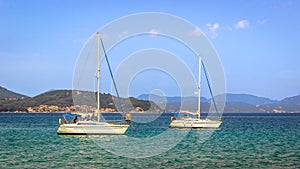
<point>210,90</point>
<point>112,76</point>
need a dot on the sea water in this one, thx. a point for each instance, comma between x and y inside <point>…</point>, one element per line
<point>244,141</point>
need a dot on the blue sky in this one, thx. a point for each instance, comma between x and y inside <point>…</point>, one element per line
<point>257,41</point>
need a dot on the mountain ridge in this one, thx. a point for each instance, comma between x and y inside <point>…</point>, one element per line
<point>8,94</point>
<point>243,103</point>
<point>62,100</point>
<point>235,103</point>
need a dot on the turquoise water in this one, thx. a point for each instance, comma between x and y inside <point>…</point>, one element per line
<point>245,141</point>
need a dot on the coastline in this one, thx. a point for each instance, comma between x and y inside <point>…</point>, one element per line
<point>224,113</point>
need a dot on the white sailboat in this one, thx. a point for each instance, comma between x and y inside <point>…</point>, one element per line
<point>195,122</point>
<point>86,127</point>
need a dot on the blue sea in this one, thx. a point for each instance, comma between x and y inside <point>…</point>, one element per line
<point>244,141</point>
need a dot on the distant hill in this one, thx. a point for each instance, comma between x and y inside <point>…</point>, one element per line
<point>53,97</point>
<point>295,100</point>
<point>173,104</point>
<point>230,98</point>
<point>235,103</point>
<point>7,94</point>
<point>289,104</point>
<point>174,99</point>
<point>248,99</point>
<point>63,98</point>
<point>59,98</point>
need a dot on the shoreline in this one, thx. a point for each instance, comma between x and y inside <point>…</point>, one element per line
<point>145,113</point>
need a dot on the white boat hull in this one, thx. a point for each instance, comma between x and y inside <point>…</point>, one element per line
<point>196,123</point>
<point>92,128</point>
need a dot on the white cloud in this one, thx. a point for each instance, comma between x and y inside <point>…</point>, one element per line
<point>212,29</point>
<point>242,24</point>
<point>195,32</point>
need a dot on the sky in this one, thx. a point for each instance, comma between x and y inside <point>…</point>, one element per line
<point>257,41</point>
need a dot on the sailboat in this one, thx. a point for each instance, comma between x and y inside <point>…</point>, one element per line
<point>196,122</point>
<point>92,127</point>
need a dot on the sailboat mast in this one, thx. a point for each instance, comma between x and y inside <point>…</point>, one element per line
<point>98,76</point>
<point>199,77</point>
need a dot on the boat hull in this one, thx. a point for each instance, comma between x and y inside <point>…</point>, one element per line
<point>100,128</point>
<point>196,123</point>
